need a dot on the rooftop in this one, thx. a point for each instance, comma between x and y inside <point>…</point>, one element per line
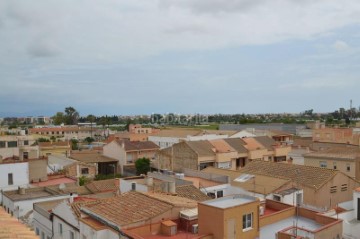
<point>137,145</point>
<point>307,175</point>
<point>269,231</point>
<point>32,193</point>
<point>91,156</point>
<point>54,181</point>
<point>230,201</point>
<point>349,153</point>
<point>127,208</point>
<point>10,227</point>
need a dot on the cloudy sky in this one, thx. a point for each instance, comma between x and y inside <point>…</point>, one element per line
<point>181,56</point>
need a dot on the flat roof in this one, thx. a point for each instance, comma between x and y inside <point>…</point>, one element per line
<point>269,231</point>
<point>230,201</point>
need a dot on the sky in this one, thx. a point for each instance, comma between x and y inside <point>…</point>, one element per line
<point>128,57</point>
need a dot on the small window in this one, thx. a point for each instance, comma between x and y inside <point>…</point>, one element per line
<point>37,231</point>
<point>42,235</point>
<point>2,144</point>
<point>333,189</point>
<point>219,194</point>
<point>60,229</point>
<point>26,155</point>
<point>348,167</point>
<point>10,179</point>
<point>247,221</point>
<point>323,164</point>
<point>334,164</point>
<point>277,198</point>
<point>26,142</point>
<point>344,187</point>
<point>12,144</point>
<point>212,195</point>
<point>71,235</point>
<point>133,186</point>
<point>85,171</point>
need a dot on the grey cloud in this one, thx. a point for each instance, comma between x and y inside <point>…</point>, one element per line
<point>213,6</point>
<point>43,49</point>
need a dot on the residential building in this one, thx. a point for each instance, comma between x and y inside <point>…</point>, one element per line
<point>349,213</point>
<point>20,202</point>
<point>168,137</point>
<point>139,129</point>
<point>126,152</point>
<point>21,146</point>
<point>336,135</point>
<point>230,153</point>
<point>65,133</point>
<point>104,165</point>
<point>54,148</point>
<point>344,159</point>
<point>323,188</point>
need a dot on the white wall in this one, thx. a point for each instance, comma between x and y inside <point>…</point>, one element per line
<point>125,186</point>
<point>66,229</point>
<point>43,224</point>
<point>20,173</point>
<point>20,208</point>
<point>206,137</point>
<point>115,151</point>
<point>164,142</point>
<point>90,233</point>
<point>242,134</point>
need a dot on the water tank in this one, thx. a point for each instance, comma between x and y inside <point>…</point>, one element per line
<point>171,187</point>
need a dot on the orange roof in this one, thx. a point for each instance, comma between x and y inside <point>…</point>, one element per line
<point>221,146</point>
<point>252,144</point>
<point>11,228</point>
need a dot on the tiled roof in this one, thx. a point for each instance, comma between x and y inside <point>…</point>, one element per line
<point>252,144</point>
<point>266,141</point>
<point>174,200</point>
<point>237,144</point>
<point>221,146</point>
<point>108,185</point>
<point>307,175</point>
<point>191,192</point>
<point>80,202</point>
<point>10,227</point>
<point>91,157</point>
<point>349,153</point>
<point>127,208</point>
<point>201,147</point>
<point>48,205</point>
<point>137,145</point>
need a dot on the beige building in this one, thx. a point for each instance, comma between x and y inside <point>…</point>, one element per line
<point>18,146</point>
<point>344,159</point>
<point>54,148</point>
<point>229,153</point>
<point>66,133</point>
<point>127,152</point>
<point>323,188</point>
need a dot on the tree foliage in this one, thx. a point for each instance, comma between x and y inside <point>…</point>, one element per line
<point>142,166</point>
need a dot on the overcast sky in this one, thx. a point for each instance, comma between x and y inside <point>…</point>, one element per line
<point>180,56</point>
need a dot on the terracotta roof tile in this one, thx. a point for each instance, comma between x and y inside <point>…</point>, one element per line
<point>349,153</point>
<point>127,208</point>
<point>10,227</point>
<point>137,145</point>
<point>307,175</point>
<point>201,147</point>
<point>191,192</point>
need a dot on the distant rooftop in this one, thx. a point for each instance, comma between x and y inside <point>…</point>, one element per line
<point>230,201</point>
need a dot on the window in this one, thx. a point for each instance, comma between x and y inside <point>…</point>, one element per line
<point>334,164</point>
<point>219,194</point>
<point>212,195</point>
<point>2,144</point>
<point>26,142</point>
<point>37,231</point>
<point>60,229</point>
<point>12,144</point>
<point>344,187</point>
<point>10,179</point>
<point>42,235</point>
<point>85,171</point>
<point>333,189</point>
<point>247,221</point>
<point>277,198</point>
<point>133,186</point>
<point>348,167</point>
<point>26,155</point>
<point>48,237</point>
<point>71,235</point>
<point>323,164</point>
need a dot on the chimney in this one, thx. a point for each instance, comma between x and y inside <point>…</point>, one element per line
<point>21,191</point>
<point>171,187</point>
<point>149,181</point>
<point>71,199</point>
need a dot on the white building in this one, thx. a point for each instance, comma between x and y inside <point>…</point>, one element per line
<point>12,176</point>
<point>350,214</point>
<point>18,146</point>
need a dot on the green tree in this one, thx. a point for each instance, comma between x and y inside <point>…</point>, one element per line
<point>91,118</point>
<point>43,140</point>
<point>74,144</point>
<point>142,166</point>
<point>59,118</point>
<point>89,140</point>
<point>71,115</point>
